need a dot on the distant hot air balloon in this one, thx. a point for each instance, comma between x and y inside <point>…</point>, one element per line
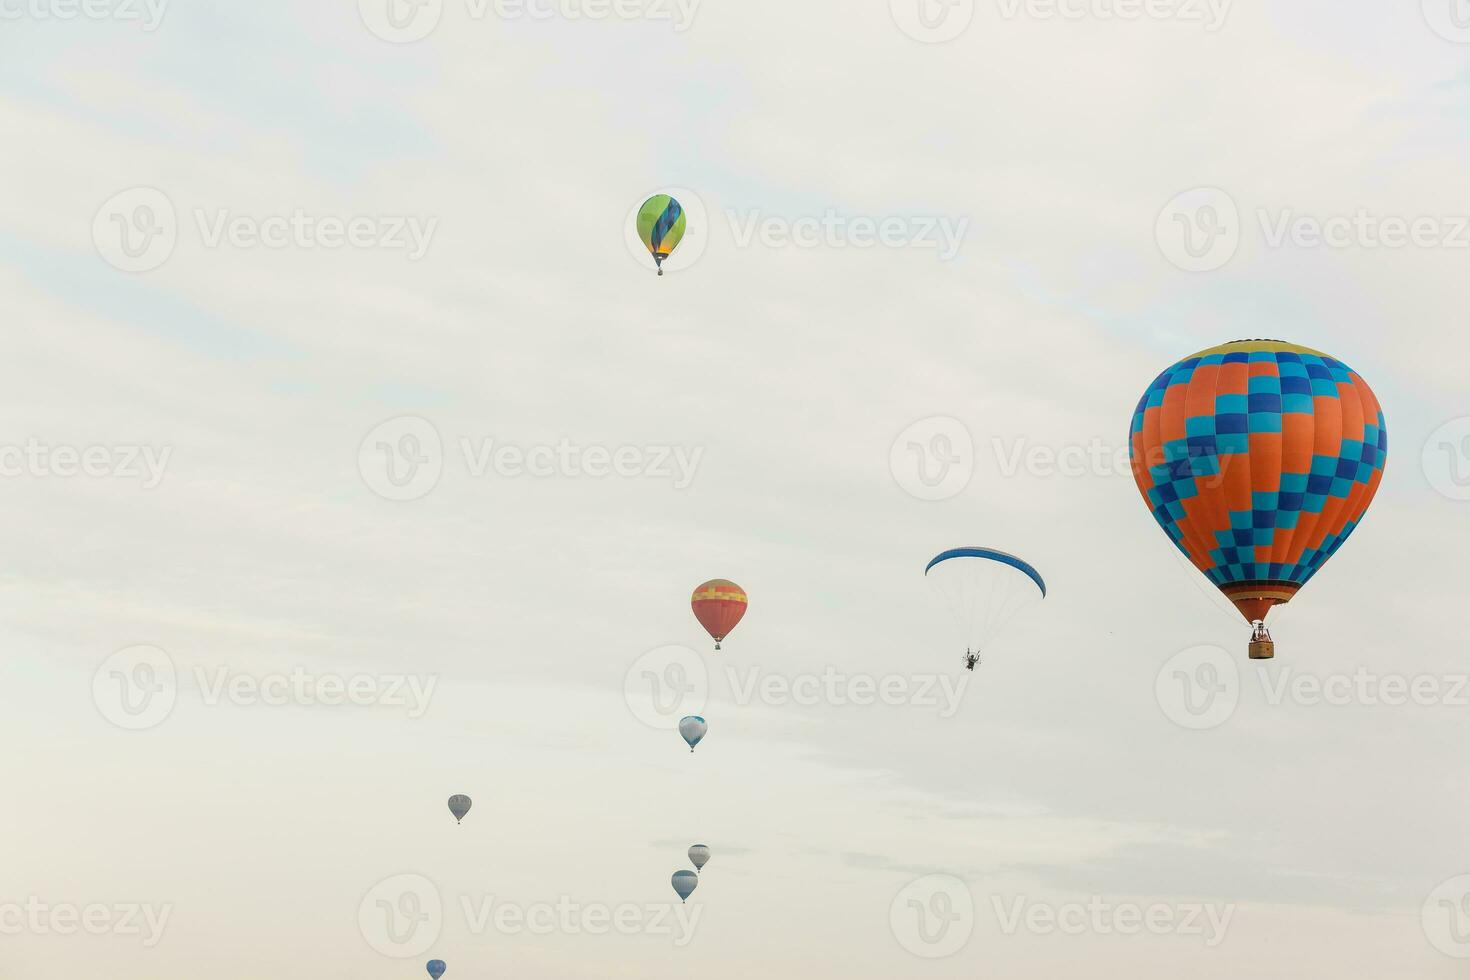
<point>661,225</point>
<point>459,805</point>
<point>437,968</point>
<point>984,588</point>
<point>699,857</point>
<point>1258,458</point>
<point>684,884</point>
<point>692,727</point>
<point>719,605</point>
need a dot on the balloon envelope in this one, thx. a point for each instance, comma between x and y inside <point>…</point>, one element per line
<point>983,588</point>
<point>684,883</point>
<point>719,605</point>
<point>692,727</point>
<point>661,224</point>
<point>437,968</point>
<point>1258,458</point>
<point>459,805</point>
<point>699,856</point>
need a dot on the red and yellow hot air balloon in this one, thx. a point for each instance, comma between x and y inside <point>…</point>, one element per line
<point>1258,458</point>
<point>718,605</point>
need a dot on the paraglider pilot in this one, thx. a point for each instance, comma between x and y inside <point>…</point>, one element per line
<point>971,659</point>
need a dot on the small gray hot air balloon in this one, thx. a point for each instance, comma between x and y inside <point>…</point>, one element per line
<point>692,727</point>
<point>699,857</point>
<point>459,805</point>
<point>684,883</point>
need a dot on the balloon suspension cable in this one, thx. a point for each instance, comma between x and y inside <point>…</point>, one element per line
<point>1262,647</point>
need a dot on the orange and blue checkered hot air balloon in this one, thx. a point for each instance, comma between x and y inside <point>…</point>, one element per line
<point>718,605</point>
<point>1258,458</point>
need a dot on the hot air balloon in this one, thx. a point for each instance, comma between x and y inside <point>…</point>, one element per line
<point>684,884</point>
<point>661,226</point>
<point>699,857</point>
<point>719,605</point>
<point>692,727</point>
<point>1258,458</point>
<point>984,588</point>
<point>437,968</point>
<point>459,805</point>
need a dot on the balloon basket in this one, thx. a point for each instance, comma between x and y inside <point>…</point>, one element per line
<point>1262,647</point>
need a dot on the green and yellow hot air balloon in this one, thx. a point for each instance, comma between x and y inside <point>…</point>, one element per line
<point>661,226</point>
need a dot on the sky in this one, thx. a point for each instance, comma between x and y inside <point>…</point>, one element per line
<point>355,457</point>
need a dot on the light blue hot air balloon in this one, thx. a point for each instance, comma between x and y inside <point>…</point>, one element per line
<point>684,883</point>
<point>699,857</point>
<point>692,727</point>
<point>437,968</point>
<point>459,805</point>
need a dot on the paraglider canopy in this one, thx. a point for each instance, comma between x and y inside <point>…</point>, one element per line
<point>984,588</point>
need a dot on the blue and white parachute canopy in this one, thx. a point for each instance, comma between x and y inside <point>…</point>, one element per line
<point>983,588</point>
